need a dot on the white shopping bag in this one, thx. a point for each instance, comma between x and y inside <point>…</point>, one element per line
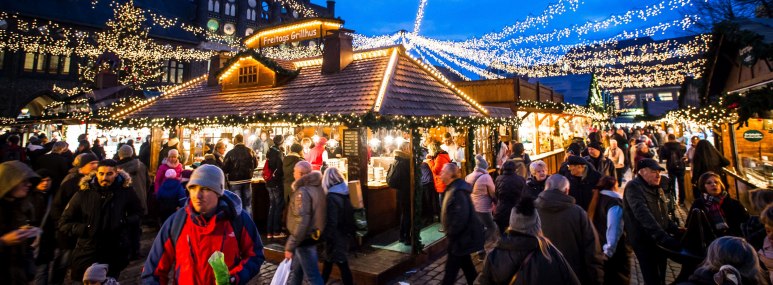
<point>282,273</point>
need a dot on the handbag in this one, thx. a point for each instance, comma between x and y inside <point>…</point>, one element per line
<point>282,272</point>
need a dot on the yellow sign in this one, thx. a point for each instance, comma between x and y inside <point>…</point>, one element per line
<point>292,32</point>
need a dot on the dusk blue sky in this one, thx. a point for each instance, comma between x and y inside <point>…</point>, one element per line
<point>459,19</point>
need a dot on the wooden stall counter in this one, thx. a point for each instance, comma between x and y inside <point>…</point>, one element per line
<point>552,159</point>
<point>381,207</point>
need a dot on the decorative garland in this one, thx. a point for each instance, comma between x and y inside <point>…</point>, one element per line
<point>567,108</point>
<point>369,119</point>
<point>755,103</point>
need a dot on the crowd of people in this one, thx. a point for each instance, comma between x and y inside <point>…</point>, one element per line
<point>79,214</point>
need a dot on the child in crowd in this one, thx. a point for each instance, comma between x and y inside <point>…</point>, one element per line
<point>171,195</point>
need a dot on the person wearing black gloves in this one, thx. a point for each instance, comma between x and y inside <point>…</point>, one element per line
<point>646,221</point>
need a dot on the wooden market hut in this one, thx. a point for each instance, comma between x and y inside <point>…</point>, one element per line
<point>533,105</point>
<point>745,69</point>
<point>358,90</point>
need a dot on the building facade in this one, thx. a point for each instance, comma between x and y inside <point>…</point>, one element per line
<point>28,79</point>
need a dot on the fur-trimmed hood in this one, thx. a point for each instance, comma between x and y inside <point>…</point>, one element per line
<point>312,179</point>
<point>86,180</point>
<point>402,154</point>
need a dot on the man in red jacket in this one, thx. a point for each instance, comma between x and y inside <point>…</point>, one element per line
<point>212,220</point>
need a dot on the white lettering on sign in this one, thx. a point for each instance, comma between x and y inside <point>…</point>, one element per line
<point>753,136</point>
<point>293,36</point>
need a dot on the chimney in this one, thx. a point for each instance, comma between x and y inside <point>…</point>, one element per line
<point>331,8</point>
<point>215,64</point>
<point>337,53</point>
<point>106,79</point>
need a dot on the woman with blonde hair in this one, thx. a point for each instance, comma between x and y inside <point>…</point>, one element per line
<point>524,255</point>
<point>339,228</point>
<point>729,260</point>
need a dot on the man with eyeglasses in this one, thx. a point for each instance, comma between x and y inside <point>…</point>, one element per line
<point>646,221</point>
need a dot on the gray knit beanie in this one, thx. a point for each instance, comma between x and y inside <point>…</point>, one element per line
<point>524,217</point>
<point>209,176</point>
<point>125,151</point>
<point>95,273</point>
<point>480,162</point>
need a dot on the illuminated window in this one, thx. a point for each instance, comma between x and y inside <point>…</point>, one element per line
<point>230,8</point>
<point>629,101</point>
<point>617,102</point>
<point>172,72</point>
<point>666,96</point>
<point>2,58</point>
<point>248,74</point>
<point>65,63</point>
<point>29,61</point>
<point>265,10</point>
<point>53,64</point>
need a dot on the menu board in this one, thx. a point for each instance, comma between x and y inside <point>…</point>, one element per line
<point>351,150</point>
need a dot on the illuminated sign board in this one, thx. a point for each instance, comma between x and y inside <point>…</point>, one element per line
<point>292,32</point>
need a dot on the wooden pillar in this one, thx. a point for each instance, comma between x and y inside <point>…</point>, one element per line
<point>416,191</point>
<point>156,135</point>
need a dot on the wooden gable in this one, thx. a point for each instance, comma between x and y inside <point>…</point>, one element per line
<point>247,72</point>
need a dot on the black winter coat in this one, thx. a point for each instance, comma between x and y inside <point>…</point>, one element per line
<point>101,220</point>
<point>275,156</point>
<point>40,202</point>
<point>645,213</point>
<point>17,265</point>
<point>463,229</point>
<point>706,277</point>
<point>240,163</point>
<point>581,187</point>
<point>336,237</point>
<point>57,164</point>
<point>399,174</point>
<point>569,229</point>
<point>69,187</point>
<point>678,150</point>
<point>287,167</point>
<point>734,213</point>
<point>509,187</point>
<point>144,155</point>
<point>603,165</point>
<point>508,256</point>
<point>534,187</point>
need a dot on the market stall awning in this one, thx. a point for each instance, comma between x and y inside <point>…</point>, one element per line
<point>500,112</point>
<point>383,81</point>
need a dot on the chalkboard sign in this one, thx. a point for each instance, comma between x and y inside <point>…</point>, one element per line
<point>351,150</point>
<point>351,143</point>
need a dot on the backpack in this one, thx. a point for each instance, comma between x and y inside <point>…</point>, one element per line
<point>674,161</point>
<point>268,173</point>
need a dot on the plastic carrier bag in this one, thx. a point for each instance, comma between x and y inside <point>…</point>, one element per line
<point>282,273</point>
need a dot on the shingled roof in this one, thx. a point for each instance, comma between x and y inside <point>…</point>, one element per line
<point>410,90</point>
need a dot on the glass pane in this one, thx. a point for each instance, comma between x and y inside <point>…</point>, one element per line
<point>53,64</point>
<point>39,64</point>
<point>29,61</point>
<point>629,100</point>
<point>66,65</point>
<point>2,58</point>
<point>179,75</point>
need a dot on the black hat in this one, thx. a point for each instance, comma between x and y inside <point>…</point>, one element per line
<point>576,160</point>
<point>649,163</point>
<point>574,148</point>
<point>596,145</point>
